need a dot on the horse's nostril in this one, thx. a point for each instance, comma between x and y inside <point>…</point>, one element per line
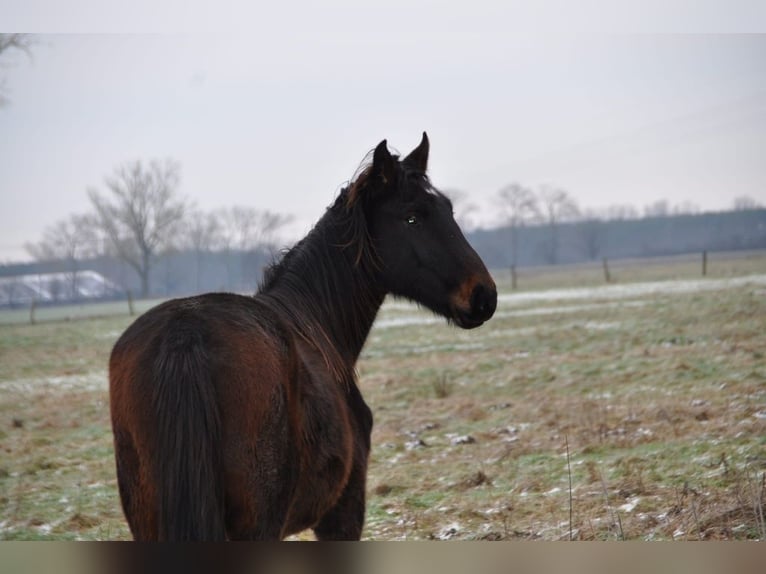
<point>483,301</point>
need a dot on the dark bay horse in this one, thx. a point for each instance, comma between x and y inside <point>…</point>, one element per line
<point>239,417</point>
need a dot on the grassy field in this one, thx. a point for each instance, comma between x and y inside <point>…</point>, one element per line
<point>635,410</point>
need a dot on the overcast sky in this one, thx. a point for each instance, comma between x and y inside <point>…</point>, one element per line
<point>281,116</point>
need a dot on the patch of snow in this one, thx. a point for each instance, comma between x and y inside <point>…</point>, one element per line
<point>630,506</point>
<point>462,439</point>
<point>95,380</point>
<point>630,290</point>
<point>449,532</point>
<point>112,335</point>
<point>406,321</point>
<point>601,326</point>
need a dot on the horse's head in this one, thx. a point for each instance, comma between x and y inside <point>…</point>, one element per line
<point>420,251</point>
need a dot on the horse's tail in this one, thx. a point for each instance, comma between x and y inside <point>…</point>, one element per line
<point>188,458</point>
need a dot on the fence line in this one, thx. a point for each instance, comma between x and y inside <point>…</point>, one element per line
<point>34,313</point>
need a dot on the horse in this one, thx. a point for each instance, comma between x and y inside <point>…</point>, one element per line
<point>239,417</point>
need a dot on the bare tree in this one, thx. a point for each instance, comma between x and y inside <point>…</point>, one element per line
<point>660,208</point>
<point>519,206</point>
<point>621,212</point>
<point>244,224</point>
<point>227,236</point>
<point>21,42</point>
<point>557,206</point>
<point>11,289</point>
<point>269,225</point>
<point>686,208</point>
<point>592,232</point>
<point>8,44</point>
<point>248,229</point>
<point>463,208</point>
<point>203,234</point>
<point>141,212</point>
<point>71,239</point>
<point>745,202</point>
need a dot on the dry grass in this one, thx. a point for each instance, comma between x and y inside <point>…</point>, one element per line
<point>639,417</point>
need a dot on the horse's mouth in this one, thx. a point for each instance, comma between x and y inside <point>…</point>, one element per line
<point>464,321</point>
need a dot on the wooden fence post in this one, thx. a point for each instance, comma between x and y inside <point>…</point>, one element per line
<point>513,277</point>
<point>607,277</point>
<point>130,303</point>
<point>32,308</point>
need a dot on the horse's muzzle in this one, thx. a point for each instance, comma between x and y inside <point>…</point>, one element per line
<point>473,306</point>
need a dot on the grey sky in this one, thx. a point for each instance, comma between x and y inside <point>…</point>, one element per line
<point>279,118</point>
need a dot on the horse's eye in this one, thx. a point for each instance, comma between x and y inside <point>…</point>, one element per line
<point>412,219</point>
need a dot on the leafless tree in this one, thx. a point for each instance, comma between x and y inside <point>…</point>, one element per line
<point>686,208</point>
<point>269,225</point>
<point>141,212</point>
<point>228,237</point>
<point>13,43</point>
<point>745,202</point>
<point>21,42</point>
<point>591,229</point>
<point>464,209</point>
<point>203,234</point>
<point>244,224</point>
<point>557,206</point>
<point>660,208</point>
<point>11,289</point>
<point>71,240</point>
<point>621,212</point>
<point>519,206</point>
<point>248,229</point>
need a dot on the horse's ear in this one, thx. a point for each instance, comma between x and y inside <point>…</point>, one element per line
<point>418,157</point>
<point>383,163</point>
<point>378,176</point>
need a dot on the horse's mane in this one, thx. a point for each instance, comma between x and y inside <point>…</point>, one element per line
<point>312,264</point>
<point>346,215</point>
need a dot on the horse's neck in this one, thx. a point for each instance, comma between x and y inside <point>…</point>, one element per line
<point>326,292</point>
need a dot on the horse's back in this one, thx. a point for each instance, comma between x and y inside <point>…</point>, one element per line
<point>223,323</point>
<point>240,338</point>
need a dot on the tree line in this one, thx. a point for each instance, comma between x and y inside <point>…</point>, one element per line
<point>141,218</point>
<point>141,223</point>
<point>547,226</point>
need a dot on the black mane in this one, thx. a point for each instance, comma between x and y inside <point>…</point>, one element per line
<point>343,224</point>
<point>315,280</point>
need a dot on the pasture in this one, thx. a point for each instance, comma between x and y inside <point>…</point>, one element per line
<point>634,410</point>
